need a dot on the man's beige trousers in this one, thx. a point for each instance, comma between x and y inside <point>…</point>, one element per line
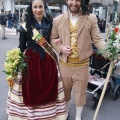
<point>76,78</point>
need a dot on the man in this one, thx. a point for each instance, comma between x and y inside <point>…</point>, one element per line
<point>9,18</point>
<point>77,30</point>
<point>3,23</point>
<point>15,19</point>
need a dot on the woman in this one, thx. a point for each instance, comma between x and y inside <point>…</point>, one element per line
<point>39,94</point>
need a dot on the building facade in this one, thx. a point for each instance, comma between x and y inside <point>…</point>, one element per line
<point>7,5</point>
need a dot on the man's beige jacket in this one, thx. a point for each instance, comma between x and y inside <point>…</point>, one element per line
<point>87,34</point>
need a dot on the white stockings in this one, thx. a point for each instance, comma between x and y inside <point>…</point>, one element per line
<point>78,113</point>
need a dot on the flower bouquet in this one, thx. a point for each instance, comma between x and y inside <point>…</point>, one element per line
<point>14,62</point>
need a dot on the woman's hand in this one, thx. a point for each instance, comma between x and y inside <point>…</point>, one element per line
<point>58,41</point>
<point>24,52</point>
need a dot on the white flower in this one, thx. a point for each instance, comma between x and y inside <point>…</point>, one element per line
<point>117,43</point>
<point>118,36</point>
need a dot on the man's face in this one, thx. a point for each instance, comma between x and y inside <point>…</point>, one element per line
<point>74,6</point>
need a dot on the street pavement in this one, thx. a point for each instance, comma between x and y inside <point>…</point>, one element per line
<point>110,109</point>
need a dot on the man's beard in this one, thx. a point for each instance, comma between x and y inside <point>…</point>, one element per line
<point>74,11</point>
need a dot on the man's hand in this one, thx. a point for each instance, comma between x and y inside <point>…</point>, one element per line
<point>66,50</point>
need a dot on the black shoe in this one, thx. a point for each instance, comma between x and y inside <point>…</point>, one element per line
<point>4,38</point>
<point>67,117</point>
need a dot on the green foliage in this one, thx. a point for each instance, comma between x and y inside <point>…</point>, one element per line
<point>14,62</point>
<point>112,45</point>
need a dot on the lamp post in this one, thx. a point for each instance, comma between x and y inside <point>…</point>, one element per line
<point>19,10</point>
<point>115,11</point>
<point>1,4</point>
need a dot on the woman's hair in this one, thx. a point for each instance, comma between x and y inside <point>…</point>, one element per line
<point>29,15</point>
<point>29,19</point>
<point>84,7</point>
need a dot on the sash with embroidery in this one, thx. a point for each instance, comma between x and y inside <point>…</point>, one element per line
<point>43,43</point>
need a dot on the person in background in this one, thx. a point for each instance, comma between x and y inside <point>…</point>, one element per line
<point>104,25</point>
<point>99,23</point>
<point>75,32</point>
<point>3,23</point>
<point>9,19</point>
<point>38,93</point>
<point>6,18</point>
<point>23,16</point>
<point>59,13</point>
<point>15,19</point>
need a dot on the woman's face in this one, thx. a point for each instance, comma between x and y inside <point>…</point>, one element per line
<point>38,9</point>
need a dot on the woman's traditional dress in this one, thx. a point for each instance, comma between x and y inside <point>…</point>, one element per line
<point>40,95</point>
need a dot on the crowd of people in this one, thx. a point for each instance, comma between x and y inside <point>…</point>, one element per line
<point>9,20</point>
<point>101,24</point>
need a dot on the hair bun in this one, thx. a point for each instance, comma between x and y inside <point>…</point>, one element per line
<point>87,2</point>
